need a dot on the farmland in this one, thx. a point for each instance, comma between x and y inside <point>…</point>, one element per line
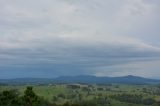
<point>93,94</point>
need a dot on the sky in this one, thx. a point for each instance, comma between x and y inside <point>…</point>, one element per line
<point>51,38</point>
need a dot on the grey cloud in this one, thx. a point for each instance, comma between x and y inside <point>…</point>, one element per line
<point>76,37</point>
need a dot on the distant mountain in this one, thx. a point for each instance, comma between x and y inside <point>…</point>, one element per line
<point>82,79</point>
<point>104,80</point>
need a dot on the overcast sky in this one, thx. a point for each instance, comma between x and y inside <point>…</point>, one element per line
<point>50,38</point>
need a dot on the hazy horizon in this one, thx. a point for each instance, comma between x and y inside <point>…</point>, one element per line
<point>10,78</point>
<point>50,38</point>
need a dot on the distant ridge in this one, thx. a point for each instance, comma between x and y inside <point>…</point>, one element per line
<point>130,79</point>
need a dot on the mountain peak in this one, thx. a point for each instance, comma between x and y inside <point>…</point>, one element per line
<point>131,76</point>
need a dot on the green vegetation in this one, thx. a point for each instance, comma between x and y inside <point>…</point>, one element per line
<point>80,95</point>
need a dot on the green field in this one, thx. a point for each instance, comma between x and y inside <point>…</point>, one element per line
<point>105,95</point>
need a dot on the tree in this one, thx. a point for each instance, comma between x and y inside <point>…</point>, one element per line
<point>30,98</point>
<point>8,98</point>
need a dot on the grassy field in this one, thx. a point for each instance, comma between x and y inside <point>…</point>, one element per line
<point>61,93</point>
